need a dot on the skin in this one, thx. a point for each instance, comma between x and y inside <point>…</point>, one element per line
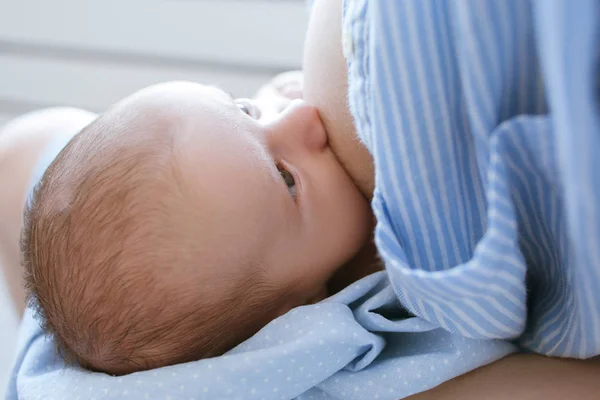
<point>230,161</point>
<point>326,87</point>
<point>523,377</point>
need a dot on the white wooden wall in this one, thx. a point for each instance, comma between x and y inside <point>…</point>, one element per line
<point>91,53</point>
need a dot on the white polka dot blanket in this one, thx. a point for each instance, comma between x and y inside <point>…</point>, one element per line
<point>358,344</point>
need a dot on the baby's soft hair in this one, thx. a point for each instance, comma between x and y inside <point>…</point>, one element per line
<point>104,229</point>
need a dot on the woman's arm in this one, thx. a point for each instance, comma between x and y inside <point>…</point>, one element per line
<point>21,143</point>
<point>523,377</point>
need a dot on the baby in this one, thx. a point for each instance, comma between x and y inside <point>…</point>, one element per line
<point>180,222</point>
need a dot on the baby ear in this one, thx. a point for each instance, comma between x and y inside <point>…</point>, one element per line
<point>319,297</point>
<point>290,304</point>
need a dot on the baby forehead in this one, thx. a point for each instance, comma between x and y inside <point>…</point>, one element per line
<point>232,181</point>
<point>228,178</point>
<point>205,118</point>
<point>177,94</point>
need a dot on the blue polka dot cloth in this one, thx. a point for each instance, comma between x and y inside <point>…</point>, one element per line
<point>358,344</point>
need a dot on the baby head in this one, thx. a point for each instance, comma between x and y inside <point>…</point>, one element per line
<point>179,223</point>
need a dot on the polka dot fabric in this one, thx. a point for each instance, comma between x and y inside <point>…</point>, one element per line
<point>359,344</point>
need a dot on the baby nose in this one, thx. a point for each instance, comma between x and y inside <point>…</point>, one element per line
<point>300,127</point>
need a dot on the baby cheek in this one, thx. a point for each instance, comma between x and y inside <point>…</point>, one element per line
<point>345,226</point>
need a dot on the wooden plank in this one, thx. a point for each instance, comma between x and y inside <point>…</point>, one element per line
<point>96,86</point>
<point>244,32</point>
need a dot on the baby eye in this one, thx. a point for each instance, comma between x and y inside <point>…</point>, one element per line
<point>288,178</point>
<point>248,108</point>
<point>244,108</point>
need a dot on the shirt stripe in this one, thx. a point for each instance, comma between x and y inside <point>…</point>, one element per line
<point>487,202</point>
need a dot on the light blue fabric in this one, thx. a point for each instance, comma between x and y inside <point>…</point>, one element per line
<point>487,204</point>
<point>483,198</point>
<point>346,347</point>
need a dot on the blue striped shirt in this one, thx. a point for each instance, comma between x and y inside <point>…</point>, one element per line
<point>482,119</point>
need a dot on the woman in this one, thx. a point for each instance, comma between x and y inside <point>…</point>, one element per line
<point>326,87</point>
<point>384,40</point>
